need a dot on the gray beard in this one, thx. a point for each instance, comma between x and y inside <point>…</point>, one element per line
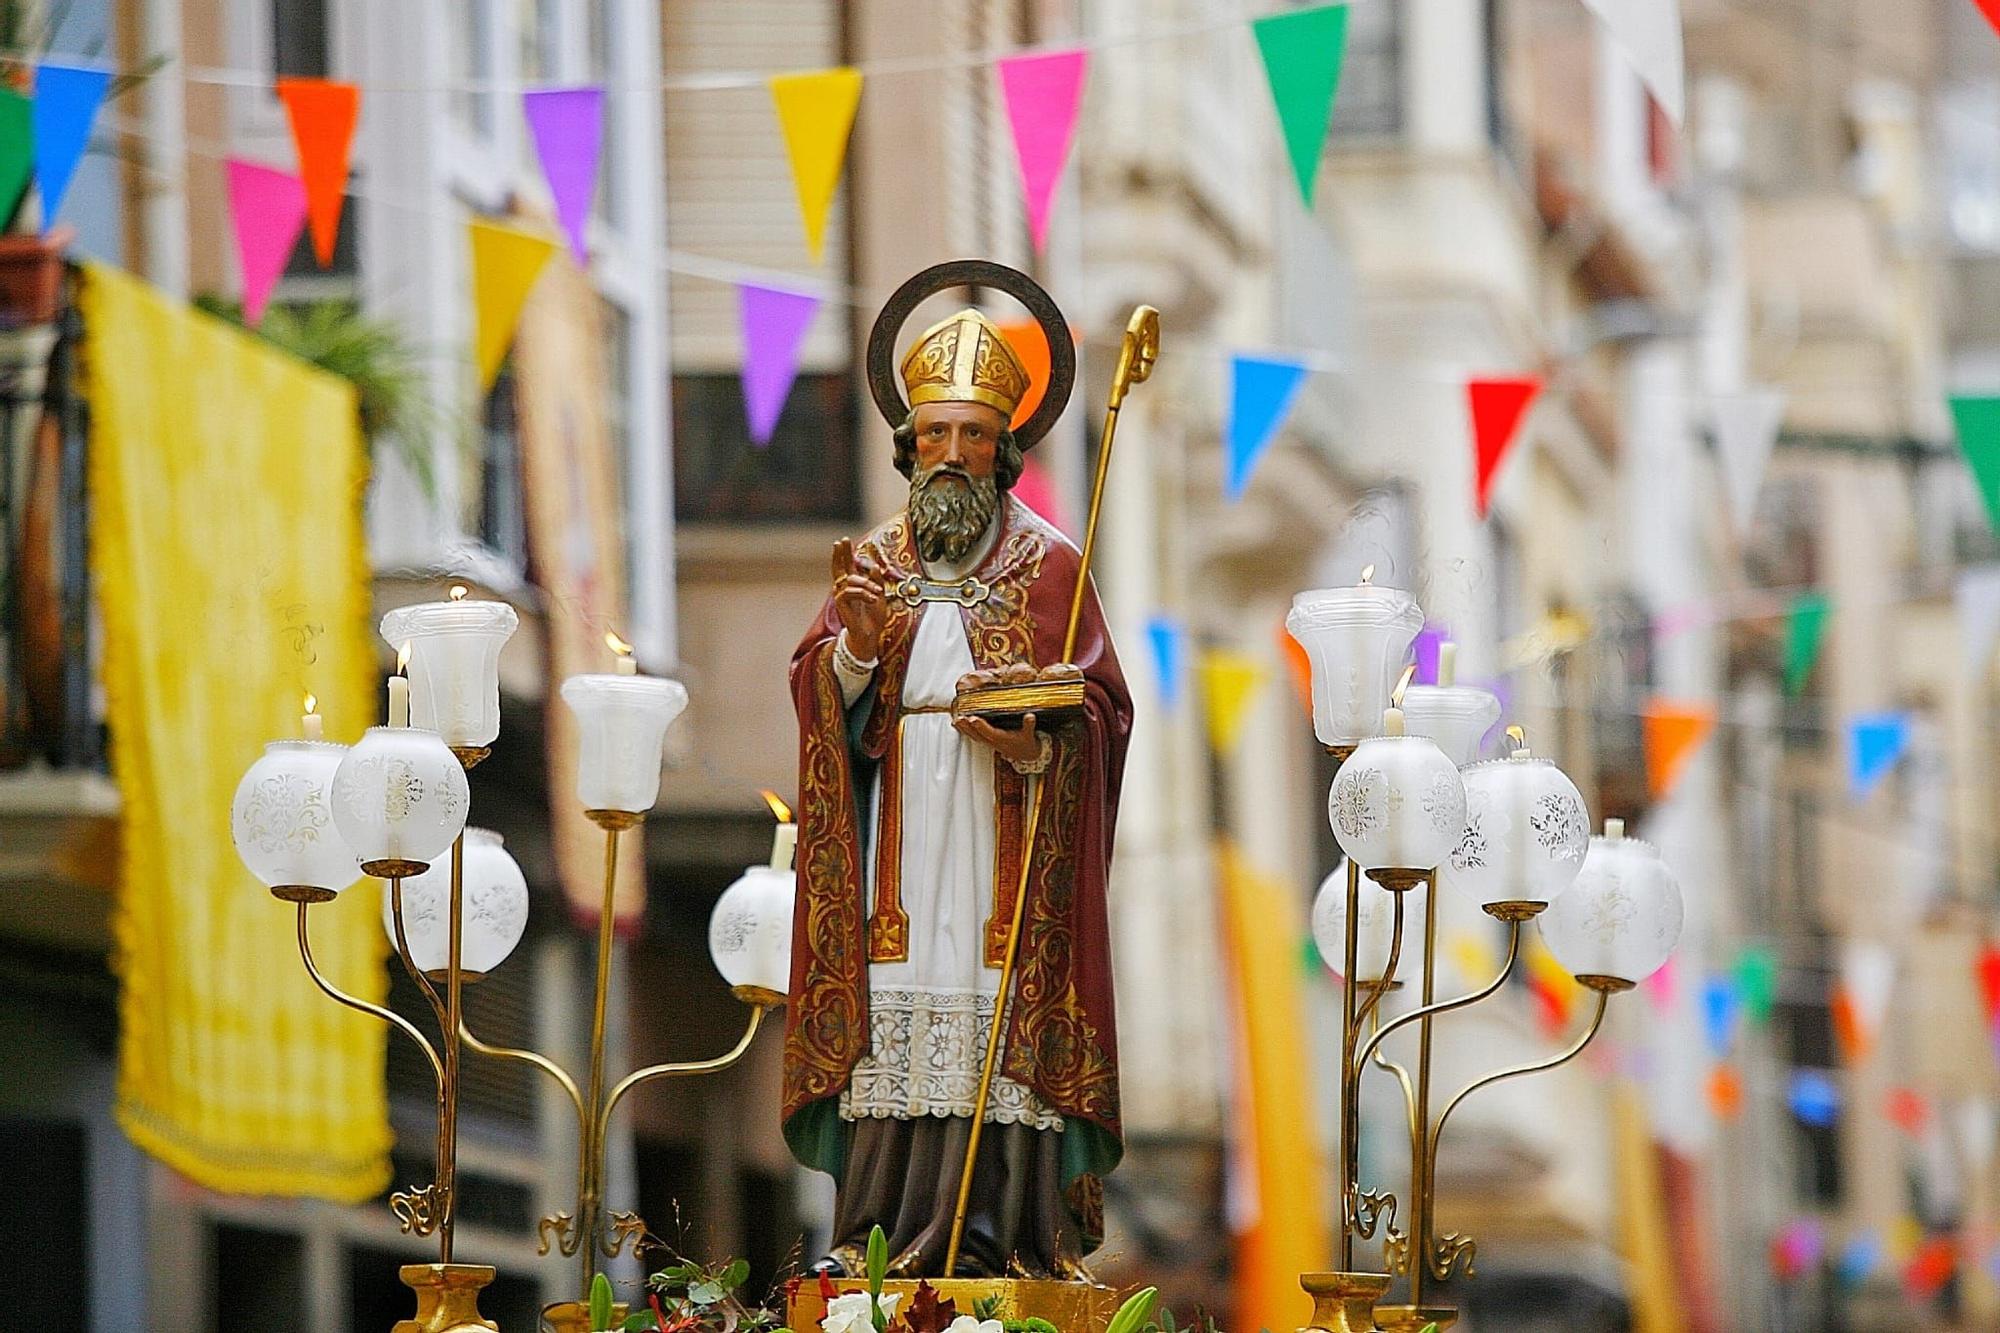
<point>948,520</point>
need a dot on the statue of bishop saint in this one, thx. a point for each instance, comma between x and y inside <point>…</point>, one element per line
<point>912,827</point>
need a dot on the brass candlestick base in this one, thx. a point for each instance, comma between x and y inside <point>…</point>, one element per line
<point>574,1317</point>
<point>1413,1318</point>
<point>447,1298</point>
<point>1344,1302</point>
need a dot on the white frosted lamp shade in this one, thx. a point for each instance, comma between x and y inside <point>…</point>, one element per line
<point>1375,931</point>
<point>1525,833</point>
<point>1357,640</point>
<point>399,799</point>
<point>1397,802</point>
<point>454,665</point>
<point>494,915</point>
<point>750,934</point>
<point>282,821</point>
<point>1456,717</point>
<point>1621,918</point>
<point>622,726</point>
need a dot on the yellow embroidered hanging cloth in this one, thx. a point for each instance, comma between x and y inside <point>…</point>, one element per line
<point>227,552</point>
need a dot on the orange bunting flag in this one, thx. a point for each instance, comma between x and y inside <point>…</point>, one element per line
<point>1725,1092</point>
<point>323,114</point>
<point>1297,665</point>
<point>1552,987</point>
<point>1849,1031</point>
<point>1025,336</point>
<point>1673,732</point>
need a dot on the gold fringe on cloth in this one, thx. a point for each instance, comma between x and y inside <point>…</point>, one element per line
<point>225,487</point>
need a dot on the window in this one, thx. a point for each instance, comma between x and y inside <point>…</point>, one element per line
<point>616,330</point>
<point>1370,104</point>
<point>502,519</point>
<point>299,39</point>
<point>806,472</point>
<point>472,66</point>
<point>611,183</point>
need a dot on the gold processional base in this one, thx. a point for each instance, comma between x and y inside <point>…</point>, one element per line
<point>447,1298</point>
<point>1346,1303</point>
<point>1073,1307</point>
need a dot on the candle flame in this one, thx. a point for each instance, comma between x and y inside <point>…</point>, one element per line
<point>1519,735</point>
<point>1367,575</point>
<point>616,644</point>
<point>312,702</point>
<point>458,591</point>
<point>403,660</point>
<point>1409,674</point>
<point>778,807</point>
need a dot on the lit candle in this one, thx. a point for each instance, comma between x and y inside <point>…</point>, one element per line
<point>1614,828</point>
<point>1447,663</point>
<point>785,842</point>
<point>1392,722</point>
<point>1519,736</point>
<point>399,690</point>
<point>311,722</point>
<point>627,664</point>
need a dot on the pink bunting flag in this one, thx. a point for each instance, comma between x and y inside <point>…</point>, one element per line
<point>1043,94</point>
<point>568,125</point>
<point>268,209</point>
<point>774,330</point>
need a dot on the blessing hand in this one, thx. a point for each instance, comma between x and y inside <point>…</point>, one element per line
<point>1020,746</point>
<point>858,601</point>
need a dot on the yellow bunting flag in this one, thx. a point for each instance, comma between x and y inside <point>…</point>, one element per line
<point>1277,1214</point>
<point>816,111</point>
<point>1472,956</point>
<point>1229,684</point>
<point>227,550</point>
<point>1673,731</point>
<point>505,263</point>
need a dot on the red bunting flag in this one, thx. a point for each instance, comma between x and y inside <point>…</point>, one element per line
<point>1991,9</point>
<point>1908,1110</point>
<point>323,114</point>
<point>1672,732</point>
<point>1932,1267</point>
<point>1989,966</point>
<point>1498,405</point>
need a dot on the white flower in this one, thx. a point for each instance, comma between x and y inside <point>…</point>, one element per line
<point>965,1323</point>
<point>849,1313</point>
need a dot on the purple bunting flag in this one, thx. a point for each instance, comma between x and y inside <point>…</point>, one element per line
<point>774,330</point>
<point>568,125</point>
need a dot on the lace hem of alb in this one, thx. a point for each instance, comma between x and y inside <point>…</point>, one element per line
<point>926,1052</point>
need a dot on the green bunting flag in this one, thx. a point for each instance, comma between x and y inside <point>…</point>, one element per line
<point>1756,973</point>
<point>1804,628</point>
<point>17,154</point>
<point>1302,54</point>
<point>1978,421</point>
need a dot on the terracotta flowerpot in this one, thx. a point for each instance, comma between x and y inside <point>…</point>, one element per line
<point>31,277</point>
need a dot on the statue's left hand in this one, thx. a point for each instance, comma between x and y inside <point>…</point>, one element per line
<point>1020,745</point>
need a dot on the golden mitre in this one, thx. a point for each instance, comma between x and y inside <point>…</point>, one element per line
<point>965,359</point>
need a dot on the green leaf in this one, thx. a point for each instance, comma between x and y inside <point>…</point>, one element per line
<point>600,1302</point>
<point>640,1322</point>
<point>735,1275</point>
<point>986,1307</point>
<point>710,1292</point>
<point>1137,1309</point>
<point>878,1260</point>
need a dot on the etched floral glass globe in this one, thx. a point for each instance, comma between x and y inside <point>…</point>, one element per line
<point>1397,802</point>
<point>1622,917</point>
<point>1375,932</point>
<point>1525,833</point>
<point>494,916</point>
<point>282,821</point>
<point>399,799</point>
<point>750,933</point>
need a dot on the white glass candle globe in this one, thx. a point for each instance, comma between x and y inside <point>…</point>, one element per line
<point>622,726</point>
<point>1357,640</point>
<point>1375,932</point>
<point>1397,802</point>
<point>750,934</point>
<point>1525,833</point>
<point>494,916</point>
<point>282,821</point>
<point>399,799</point>
<point>1622,917</point>
<point>454,665</point>
<point>1457,717</point>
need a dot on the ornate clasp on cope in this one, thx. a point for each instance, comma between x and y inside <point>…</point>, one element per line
<point>967,591</point>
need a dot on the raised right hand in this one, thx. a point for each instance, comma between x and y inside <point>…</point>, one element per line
<point>858,601</point>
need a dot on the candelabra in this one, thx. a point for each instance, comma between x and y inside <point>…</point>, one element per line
<point>1410,809</point>
<point>308,813</point>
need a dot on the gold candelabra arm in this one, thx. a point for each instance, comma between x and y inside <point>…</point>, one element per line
<point>409,961</point>
<point>621,1228</point>
<point>1447,1006</point>
<point>539,1061</point>
<point>681,1070</point>
<point>1373,1004</point>
<point>560,1233</point>
<point>389,1016</point>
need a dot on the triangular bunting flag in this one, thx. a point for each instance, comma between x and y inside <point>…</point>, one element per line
<point>774,329</point>
<point>1043,93</point>
<point>1861,1258</point>
<point>1031,344</point>
<point>1874,743</point>
<point>1868,977</point>
<point>505,263</point>
<point>1725,1092</point>
<point>1648,33</point>
<point>1978,598</point>
<point>1302,54</point>
<point>1991,9</point>
<point>1978,422</point>
<point>1989,981</point>
<point>1660,986</point>
<point>1908,1110</point>
<point>323,114</point>
<point>1746,427</point>
<point>66,102</point>
<point>1805,627</point>
<point>1034,489</point>
<point>1260,394</point>
<point>1756,977</point>
<point>568,128</point>
<point>1298,665</point>
<point>1497,408</point>
<point>268,210</point>
<point>1720,1005</point>
<point>17,149</point>
<point>1672,732</point>
<point>1229,684</point>
<point>1814,1098</point>
<point>1168,639</point>
<point>816,112</point>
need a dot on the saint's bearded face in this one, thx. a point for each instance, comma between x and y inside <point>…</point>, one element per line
<point>953,490</point>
